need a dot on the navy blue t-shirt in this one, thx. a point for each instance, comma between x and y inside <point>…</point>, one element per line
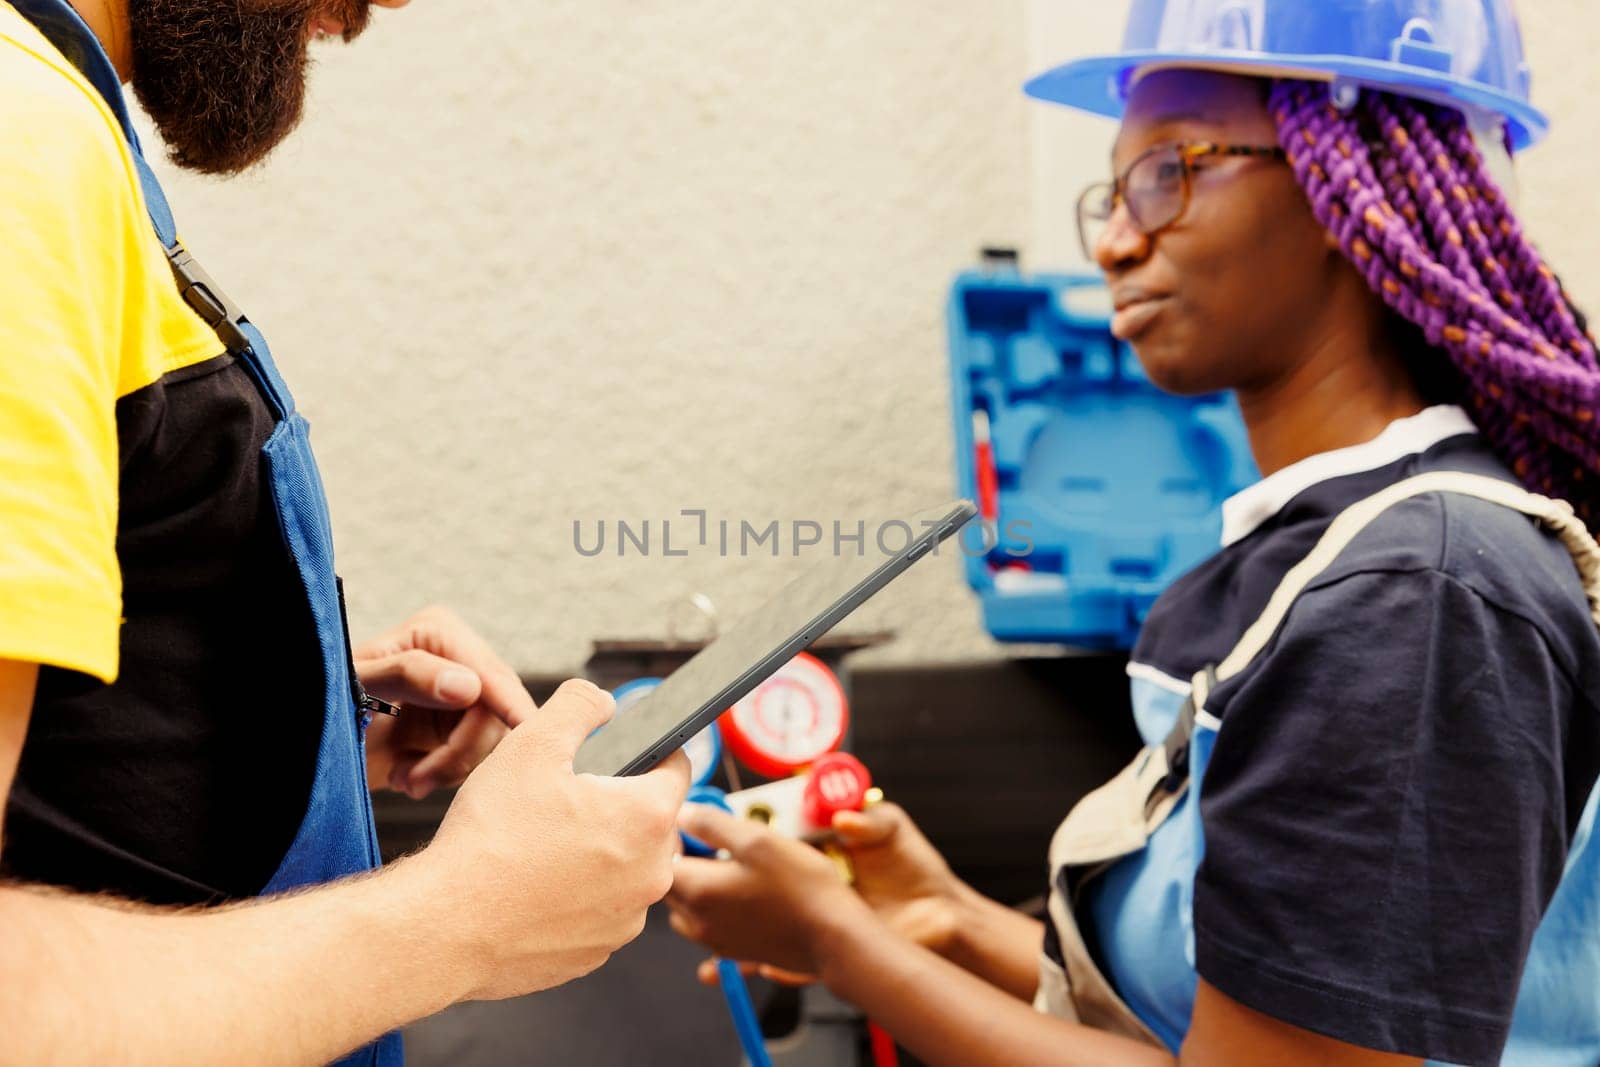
<point>1398,776</point>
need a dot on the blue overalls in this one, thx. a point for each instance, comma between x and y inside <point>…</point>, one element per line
<point>1140,838</point>
<point>336,835</point>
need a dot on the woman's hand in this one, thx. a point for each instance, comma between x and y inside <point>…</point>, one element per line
<point>901,875</point>
<point>774,901</point>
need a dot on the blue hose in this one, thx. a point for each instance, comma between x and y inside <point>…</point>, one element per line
<point>737,995</point>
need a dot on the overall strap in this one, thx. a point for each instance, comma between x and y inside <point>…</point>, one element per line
<point>1556,514</point>
<point>206,298</point>
<point>64,28</point>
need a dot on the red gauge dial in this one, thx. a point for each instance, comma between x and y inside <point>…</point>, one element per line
<point>789,720</point>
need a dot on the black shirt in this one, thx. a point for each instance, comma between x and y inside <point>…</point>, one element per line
<point>1396,779</point>
<point>185,780</point>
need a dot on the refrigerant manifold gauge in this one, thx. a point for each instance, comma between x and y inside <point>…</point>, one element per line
<point>704,749</point>
<point>790,720</point>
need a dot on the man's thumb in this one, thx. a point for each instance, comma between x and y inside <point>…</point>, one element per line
<point>572,713</point>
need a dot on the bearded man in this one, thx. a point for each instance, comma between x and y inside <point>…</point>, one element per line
<point>187,740</point>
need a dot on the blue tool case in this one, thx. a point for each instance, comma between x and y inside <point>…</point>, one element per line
<point>1108,488</point>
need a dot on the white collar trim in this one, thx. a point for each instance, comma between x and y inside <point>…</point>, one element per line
<point>1250,507</point>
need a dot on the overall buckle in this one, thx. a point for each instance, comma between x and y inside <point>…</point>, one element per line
<point>207,299</point>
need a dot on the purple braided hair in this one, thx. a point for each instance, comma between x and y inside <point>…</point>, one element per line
<point>1402,186</point>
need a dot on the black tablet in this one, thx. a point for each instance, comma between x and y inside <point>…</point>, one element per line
<point>758,644</point>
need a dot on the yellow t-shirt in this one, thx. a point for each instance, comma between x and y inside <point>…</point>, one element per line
<point>89,314</point>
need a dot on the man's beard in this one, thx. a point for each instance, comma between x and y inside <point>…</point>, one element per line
<point>225,80</point>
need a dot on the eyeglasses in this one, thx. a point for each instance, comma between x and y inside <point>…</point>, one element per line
<point>1155,187</point>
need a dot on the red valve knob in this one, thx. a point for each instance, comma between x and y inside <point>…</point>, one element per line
<point>836,782</point>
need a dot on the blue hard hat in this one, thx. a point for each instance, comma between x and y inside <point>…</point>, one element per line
<point>1464,53</point>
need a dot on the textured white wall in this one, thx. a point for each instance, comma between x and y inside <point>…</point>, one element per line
<point>527,263</point>
<point>1559,178</point>
<point>1068,150</point>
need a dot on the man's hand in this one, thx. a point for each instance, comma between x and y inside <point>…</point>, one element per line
<point>549,872</point>
<point>536,877</point>
<point>457,697</point>
<point>772,902</point>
